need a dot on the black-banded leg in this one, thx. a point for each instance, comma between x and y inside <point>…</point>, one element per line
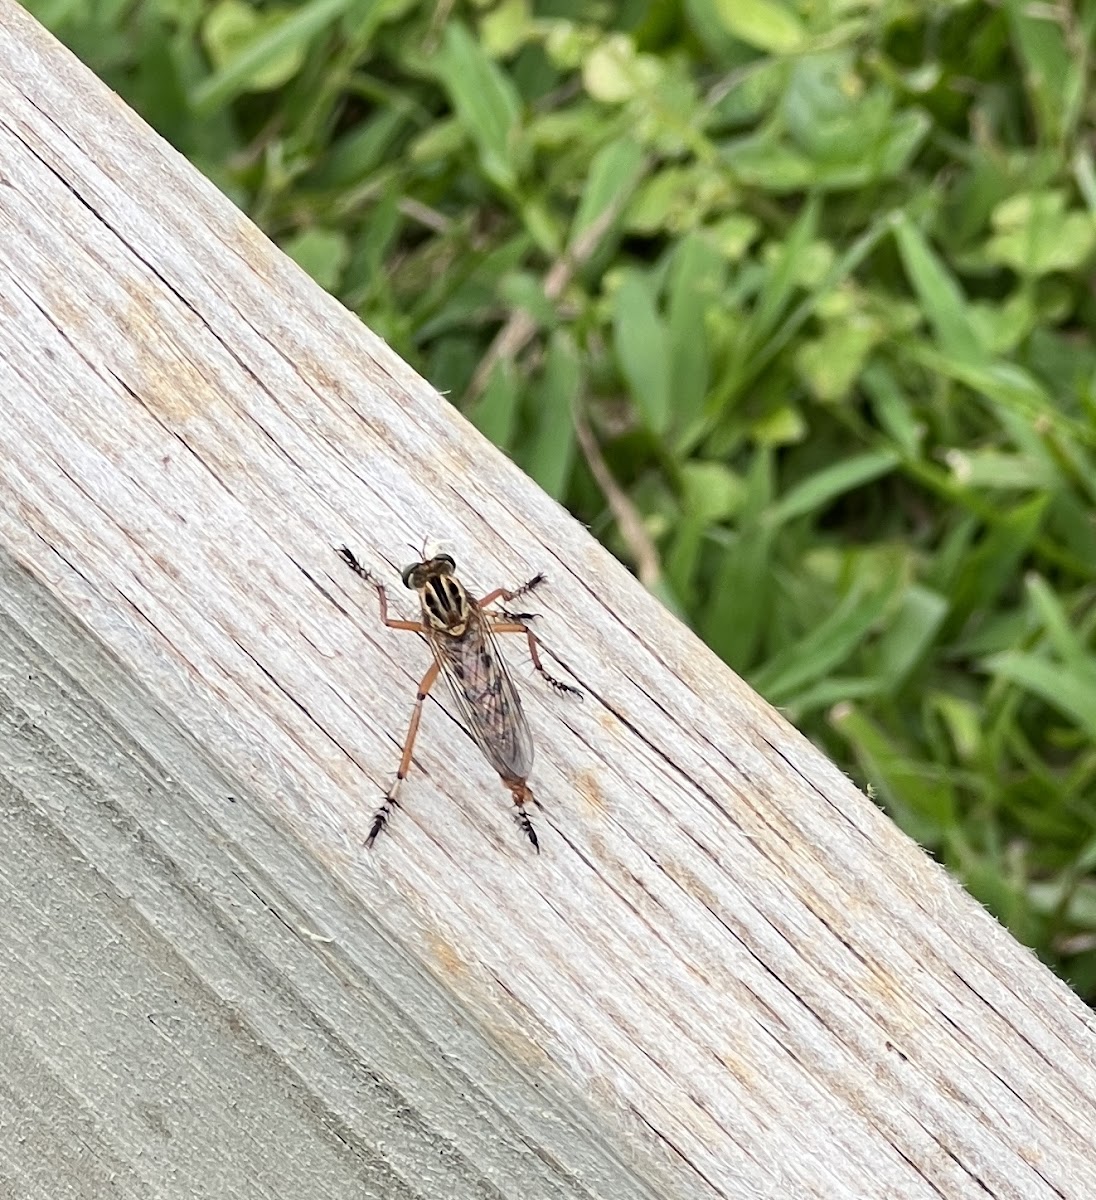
<point>347,555</point>
<point>508,594</point>
<point>521,793</point>
<point>517,627</point>
<point>384,813</point>
<point>511,622</point>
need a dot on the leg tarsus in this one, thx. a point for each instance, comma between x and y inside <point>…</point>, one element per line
<point>521,792</point>
<point>381,818</point>
<point>348,557</point>
<point>528,586</point>
<point>528,830</point>
<point>508,594</point>
<point>564,689</point>
<point>515,622</point>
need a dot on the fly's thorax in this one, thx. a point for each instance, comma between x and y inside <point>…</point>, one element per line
<point>446,604</point>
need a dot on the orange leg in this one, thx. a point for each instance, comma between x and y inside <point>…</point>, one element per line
<point>383,813</point>
<point>534,654</point>
<point>348,557</point>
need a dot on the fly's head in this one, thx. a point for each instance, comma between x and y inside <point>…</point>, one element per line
<point>446,605</point>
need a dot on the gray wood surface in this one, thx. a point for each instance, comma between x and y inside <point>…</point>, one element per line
<point>726,975</point>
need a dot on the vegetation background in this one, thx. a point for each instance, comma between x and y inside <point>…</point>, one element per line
<point>791,300</point>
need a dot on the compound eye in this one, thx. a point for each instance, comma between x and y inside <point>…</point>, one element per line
<point>408,575</point>
<point>447,562</point>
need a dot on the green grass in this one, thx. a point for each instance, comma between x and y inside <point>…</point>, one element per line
<point>811,287</point>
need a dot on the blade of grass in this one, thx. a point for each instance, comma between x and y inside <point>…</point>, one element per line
<point>941,298</point>
<point>295,31</point>
<point>639,337</point>
<point>485,100</point>
<point>1068,688</point>
<point>909,636</point>
<point>920,798</point>
<point>823,648</point>
<point>549,450</point>
<point>824,486</point>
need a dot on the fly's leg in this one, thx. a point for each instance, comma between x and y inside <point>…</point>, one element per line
<point>516,627</point>
<point>384,813</point>
<point>521,792</point>
<point>347,556</point>
<point>515,623</point>
<point>507,595</point>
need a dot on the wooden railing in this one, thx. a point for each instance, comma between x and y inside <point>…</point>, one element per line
<point>726,974</point>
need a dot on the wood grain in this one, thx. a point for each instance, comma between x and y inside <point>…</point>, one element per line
<point>726,975</point>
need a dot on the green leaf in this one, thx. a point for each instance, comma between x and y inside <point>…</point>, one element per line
<point>784,274</point>
<point>1054,73</point>
<point>739,606</point>
<point>990,469</point>
<point>506,27</point>
<point>258,50</point>
<point>485,101</point>
<point>844,127</point>
<point>783,425</point>
<point>834,689</point>
<point>696,282</point>
<point>921,801</point>
<point>614,173</point>
<point>525,291</point>
<point>893,409</point>
<point>765,161</point>
<point>992,564</point>
<point>495,414</point>
<point>831,364</point>
<point>614,71</point>
<point>909,636</point>
<point>963,722</point>
<point>639,336</point>
<point>712,492</point>
<point>824,486</point>
<point>733,235</point>
<point>1069,688</point>
<point>1036,235</point>
<point>681,562</point>
<point>1055,621</point>
<point>323,253</point>
<point>823,648</point>
<point>1005,382</point>
<point>943,301</point>
<point>359,152</point>
<point>550,448</point>
<point>763,24</point>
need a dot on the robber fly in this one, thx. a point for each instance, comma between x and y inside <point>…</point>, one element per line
<point>461,633</point>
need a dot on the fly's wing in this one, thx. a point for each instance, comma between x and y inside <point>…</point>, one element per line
<point>485,696</point>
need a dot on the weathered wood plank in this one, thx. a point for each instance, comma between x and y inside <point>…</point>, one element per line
<point>176,1021</point>
<point>726,975</point>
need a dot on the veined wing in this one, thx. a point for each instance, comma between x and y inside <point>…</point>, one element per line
<point>485,696</point>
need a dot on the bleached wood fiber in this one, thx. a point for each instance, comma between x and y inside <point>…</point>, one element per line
<point>726,975</point>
